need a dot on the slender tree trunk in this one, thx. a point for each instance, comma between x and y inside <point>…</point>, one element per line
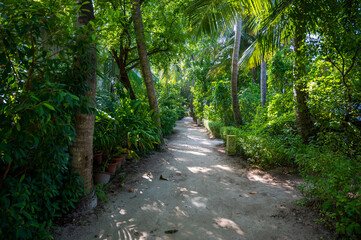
<point>234,75</point>
<point>144,62</point>
<point>124,78</point>
<point>263,82</point>
<point>303,117</point>
<point>254,74</point>
<point>82,148</point>
<point>191,106</point>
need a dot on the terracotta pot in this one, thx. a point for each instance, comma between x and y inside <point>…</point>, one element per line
<point>101,177</point>
<point>119,160</point>
<point>112,167</point>
<point>98,157</point>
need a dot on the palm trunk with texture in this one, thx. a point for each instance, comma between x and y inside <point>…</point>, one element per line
<point>234,75</point>
<point>82,148</point>
<point>263,83</point>
<point>303,117</point>
<point>144,62</point>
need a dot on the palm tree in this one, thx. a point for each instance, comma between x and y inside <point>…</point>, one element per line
<point>216,16</point>
<point>144,62</point>
<point>82,148</point>
<point>234,74</point>
<point>281,21</point>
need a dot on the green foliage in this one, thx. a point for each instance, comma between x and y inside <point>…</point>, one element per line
<point>266,151</point>
<point>327,95</point>
<point>332,185</point>
<point>42,86</point>
<point>104,134</point>
<point>171,110</point>
<point>100,192</point>
<point>40,94</point>
<point>249,100</point>
<point>280,70</point>
<point>213,127</point>
<point>220,103</point>
<point>125,123</point>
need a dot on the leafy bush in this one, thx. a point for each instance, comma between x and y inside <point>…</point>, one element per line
<point>168,117</point>
<point>249,100</point>
<point>122,122</point>
<point>39,95</point>
<point>38,185</point>
<point>333,185</point>
<point>171,110</point>
<point>264,150</point>
<point>213,127</point>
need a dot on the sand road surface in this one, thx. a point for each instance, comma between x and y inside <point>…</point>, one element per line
<point>204,194</point>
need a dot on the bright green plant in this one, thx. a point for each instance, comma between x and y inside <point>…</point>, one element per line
<point>249,100</point>
<point>128,123</point>
<point>333,185</point>
<point>221,101</point>
<point>100,190</point>
<point>213,127</point>
<point>104,134</point>
<point>39,97</point>
<point>171,110</point>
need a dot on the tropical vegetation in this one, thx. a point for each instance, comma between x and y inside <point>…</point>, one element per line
<point>113,76</point>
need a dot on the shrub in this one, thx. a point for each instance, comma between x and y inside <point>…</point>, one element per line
<point>39,95</point>
<point>171,109</point>
<point>333,185</point>
<point>38,185</point>
<point>264,150</point>
<point>213,127</point>
<point>168,118</point>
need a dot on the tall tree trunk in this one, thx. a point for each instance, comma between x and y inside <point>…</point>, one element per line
<point>254,74</point>
<point>124,78</point>
<point>263,82</point>
<point>144,62</point>
<point>303,117</point>
<point>191,106</point>
<point>234,75</point>
<point>82,148</point>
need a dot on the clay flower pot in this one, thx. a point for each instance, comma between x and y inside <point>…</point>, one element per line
<point>98,157</point>
<point>101,177</point>
<point>119,160</point>
<point>112,167</point>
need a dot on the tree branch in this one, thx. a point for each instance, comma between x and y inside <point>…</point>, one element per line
<point>149,54</point>
<point>353,61</point>
<point>56,52</point>
<point>131,67</point>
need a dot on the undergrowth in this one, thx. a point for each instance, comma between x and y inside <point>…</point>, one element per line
<point>332,175</point>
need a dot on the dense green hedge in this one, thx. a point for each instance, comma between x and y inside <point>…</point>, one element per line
<point>213,127</point>
<point>332,179</point>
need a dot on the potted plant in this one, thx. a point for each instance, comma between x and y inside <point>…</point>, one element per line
<point>103,136</point>
<point>101,176</point>
<point>111,166</point>
<point>120,155</point>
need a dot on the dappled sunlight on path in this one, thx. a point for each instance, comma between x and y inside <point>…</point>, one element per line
<point>204,194</point>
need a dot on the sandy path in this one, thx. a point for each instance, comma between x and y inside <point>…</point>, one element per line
<point>208,195</point>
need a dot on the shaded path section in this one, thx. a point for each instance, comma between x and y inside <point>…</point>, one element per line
<point>208,195</point>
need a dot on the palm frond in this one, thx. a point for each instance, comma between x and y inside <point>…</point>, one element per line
<point>212,16</point>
